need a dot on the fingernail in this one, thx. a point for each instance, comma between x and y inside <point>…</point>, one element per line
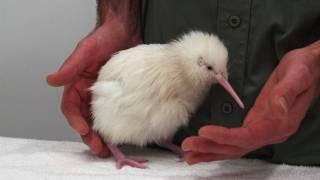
<point>185,147</point>
<point>51,74</point>
<point>283,104</point>
<point>48,78</point>
<point>51,80</point>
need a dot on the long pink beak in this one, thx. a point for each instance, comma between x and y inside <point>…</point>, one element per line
<point>224,83</point>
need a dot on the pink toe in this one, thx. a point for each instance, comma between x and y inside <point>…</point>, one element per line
<point>139,160</point>
<point>133,162</point>
<point>136,164</point>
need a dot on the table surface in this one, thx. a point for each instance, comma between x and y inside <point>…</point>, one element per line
<point>40,159</point>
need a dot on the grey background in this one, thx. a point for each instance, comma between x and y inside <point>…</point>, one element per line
<point>35,38</point>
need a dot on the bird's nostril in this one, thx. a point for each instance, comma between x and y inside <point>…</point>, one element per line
<point>209,68</point>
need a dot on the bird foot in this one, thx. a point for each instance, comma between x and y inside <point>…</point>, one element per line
<point>122,160</point>
<point>133,162</point>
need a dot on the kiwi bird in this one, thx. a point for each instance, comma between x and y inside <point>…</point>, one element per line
<point>146,93</point>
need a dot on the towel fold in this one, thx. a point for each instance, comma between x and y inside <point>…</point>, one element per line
<point>40,159</point>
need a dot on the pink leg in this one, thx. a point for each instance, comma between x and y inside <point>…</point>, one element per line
<point>172,147</point>
<point>122,160</point>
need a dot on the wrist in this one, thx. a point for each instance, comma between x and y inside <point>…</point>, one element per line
<point>123,15</point>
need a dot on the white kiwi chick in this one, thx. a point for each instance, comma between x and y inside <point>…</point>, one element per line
<point>146,93</point>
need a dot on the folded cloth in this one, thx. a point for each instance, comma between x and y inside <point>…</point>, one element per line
<point>41,159</point>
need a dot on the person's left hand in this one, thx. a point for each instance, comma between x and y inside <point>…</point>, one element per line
<point>275,116</point>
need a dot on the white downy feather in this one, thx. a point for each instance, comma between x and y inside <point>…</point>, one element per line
<point>144,94</point>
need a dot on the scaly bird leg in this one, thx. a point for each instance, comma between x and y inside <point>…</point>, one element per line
<point>172,147</point>
<point>122,160</point>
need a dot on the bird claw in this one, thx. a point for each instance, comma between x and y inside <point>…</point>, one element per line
<point>133,162</point>
<point>138,159</point>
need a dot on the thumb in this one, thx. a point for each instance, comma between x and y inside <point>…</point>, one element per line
<point>294,82</point>
<point>74,65</point>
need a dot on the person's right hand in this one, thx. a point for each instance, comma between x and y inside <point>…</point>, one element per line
<point>275,116</point>
<point>79,72</point>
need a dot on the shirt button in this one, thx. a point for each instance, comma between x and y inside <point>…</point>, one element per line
<point>227,108</point>
<point>234,21</point>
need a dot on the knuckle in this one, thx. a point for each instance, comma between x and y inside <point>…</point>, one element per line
<point>281,140</point>
<point>64,109</point>
<point>292,128</point>
<point>72,124</point>
<point>88,43</point>
<point>293,54</point>
<point>305,72</point>
<point>95,145</point>
<point>315,53</point>
<point>82,42</point>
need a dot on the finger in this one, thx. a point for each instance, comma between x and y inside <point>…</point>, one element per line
<point>299,109</point>
<point>75,64</point>
<point>239,137</point>
<point>96,144</point>
<point>303,102</point>
<point>261,133</point>
<point>315,45</point>
<point>295,115</point>
<point>70,107</point>
<point>249,137</point>
<point>195,157</point>
<point>204,145</point>
<point>279,140</point>
<point>105,152</point>
<point>316,53</point>
<point>295,81</point>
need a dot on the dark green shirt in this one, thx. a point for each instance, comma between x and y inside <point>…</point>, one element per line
<point>257,34</point>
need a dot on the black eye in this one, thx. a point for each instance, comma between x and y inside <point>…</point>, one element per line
<point>209,68</point>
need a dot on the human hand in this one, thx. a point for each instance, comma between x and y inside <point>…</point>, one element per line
<point>275,116</point>
<point>80,70</point>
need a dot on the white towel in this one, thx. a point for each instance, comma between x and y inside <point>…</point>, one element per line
<point>39,159</point>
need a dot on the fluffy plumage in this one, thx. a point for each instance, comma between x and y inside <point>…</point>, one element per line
<point>144,94</point>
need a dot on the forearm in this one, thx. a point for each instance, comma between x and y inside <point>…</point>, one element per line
<point>123,13</point>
